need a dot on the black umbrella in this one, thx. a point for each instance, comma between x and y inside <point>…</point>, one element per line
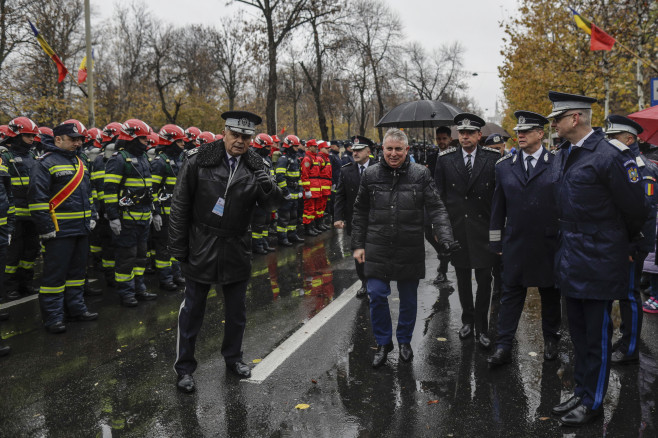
<point>420,114</point>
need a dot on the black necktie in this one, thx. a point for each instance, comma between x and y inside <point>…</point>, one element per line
<point>232,161</point>
<point>469,166</point>
<point>361,169</point>
<point>528,166</point>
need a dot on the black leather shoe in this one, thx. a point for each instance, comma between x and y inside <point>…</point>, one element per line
<point>619,358</point>
<point>240,369</point>
<point>179,281</point>
<point>466,331</point>
<point>406,353</point>
<point>362,293</point>
<point>550,350</point>
<point>185,383</point>
<point>566,406</point>
<point>500,357</point>
<point>4,350</point>
<point>267,247</point>
<point>309,231</point>
<point>484,341</point>
<point>92,291</point>
<point>13,295</point>
<point>258,249</point>
<point>4,315</point>
<point>145,296</point>
<point>87,316</point>
<point>580,415</point>
<point>381,354</point>
<point>129,302</point>
<point>168,286</point>
<point>294,238</point>
<point>58,327</point>
<point>284,242</point>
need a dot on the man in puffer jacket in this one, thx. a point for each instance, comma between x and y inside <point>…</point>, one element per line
<point>388,235</point>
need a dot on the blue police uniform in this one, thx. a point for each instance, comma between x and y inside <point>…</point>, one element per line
<point>600,201</point>
<point>65,256</point>
<point>127,196</point>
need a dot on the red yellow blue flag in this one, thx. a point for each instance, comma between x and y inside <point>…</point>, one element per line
<point>51,53</point>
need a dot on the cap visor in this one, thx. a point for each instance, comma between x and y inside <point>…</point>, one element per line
<point>556,113</point>
<point>470,128</point>
<point>241,130</point>
<point>525,127</point>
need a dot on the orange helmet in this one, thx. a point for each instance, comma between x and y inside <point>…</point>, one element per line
<point>22,125</point>
<point>93,134</point>
<point>110,131</point>
<point>45,131</point>
<point>262,140</point>
<point>291,140</point>
<point>192,133</point>
<point>205,137</point>
<point>170,134</point>
<point>132,129</point>
<point>78,126</point>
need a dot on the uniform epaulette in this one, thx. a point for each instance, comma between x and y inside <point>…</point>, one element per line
<point>191,152</point>
<point>347,164</point>
<point>487,148</point>
<point>44,155</point>
<point>639,161</point>
<point>619,145</point>
<point>649,178</point>
<point>447,151</point>
<point>504,158</point>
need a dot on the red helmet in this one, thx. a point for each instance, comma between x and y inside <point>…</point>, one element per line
<point>43,130</point>
<point>170,134</point>
<point>132,129</point>
<point>323,144</point>
<point>110,131</point>
<point>93,134</point>
<point>4,132</point>
<point>192,133</point>
<point>275,138</point>
<point>312,142</point>
<point>153,139</point>
<point>262,140</point>
<point>22,125</point>
<point>78,126</point>
<point>219,137</point>
<point>291,140</point>
<point>205,137</point>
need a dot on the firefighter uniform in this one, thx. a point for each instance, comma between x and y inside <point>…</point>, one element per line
<point>325,181</point>
<point>7,220</point>
<point>101,237</point>
<point>311,183</point>
<point>288,178</point>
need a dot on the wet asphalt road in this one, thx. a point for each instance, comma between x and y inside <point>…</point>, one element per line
<point>114,377</point>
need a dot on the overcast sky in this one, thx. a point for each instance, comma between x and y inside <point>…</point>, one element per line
<point>474,23</point>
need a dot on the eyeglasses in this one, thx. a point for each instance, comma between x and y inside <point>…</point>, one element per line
<point>558,118</point>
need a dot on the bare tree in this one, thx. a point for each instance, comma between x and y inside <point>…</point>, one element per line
<point>165,70</point>
<point>13,28</point>
<point>230,57</point>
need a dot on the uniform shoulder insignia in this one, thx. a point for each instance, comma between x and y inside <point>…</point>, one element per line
<point>487,148</point>
<point>447,151</point>
<point>639,161</point>
<point>504,158</point>
<point>347,164</point>
<point>651,178</point>
<point>619,145</point>
<point>554,151</point>
<point>267,163</point>
<point>191,152</point>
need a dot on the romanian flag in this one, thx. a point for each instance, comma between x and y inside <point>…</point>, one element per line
<point>82,70</point>
<point>599,39</point>
<point>50,52</point>
<point>282,131</point>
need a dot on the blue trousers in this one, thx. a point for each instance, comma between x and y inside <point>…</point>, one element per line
<point>631,311</point>
<point>380,314</point>
<point>590,327</point>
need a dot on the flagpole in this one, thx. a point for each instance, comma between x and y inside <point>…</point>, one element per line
<point>644,61</point>
<point>90,67</point>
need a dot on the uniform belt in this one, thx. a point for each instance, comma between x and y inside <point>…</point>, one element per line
<point>587,227</point>
<point>220,232</point>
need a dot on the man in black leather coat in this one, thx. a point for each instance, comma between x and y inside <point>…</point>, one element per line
<point>388,235</point>
<point>215,195</point>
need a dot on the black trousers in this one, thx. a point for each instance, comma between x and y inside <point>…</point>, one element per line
<point>631,311</point>
<point>360,271</point>
<point>512,300</point>
<point>190,319</point>
<point>590,327</point>
<point>477,315</point>
<point>497,272</point>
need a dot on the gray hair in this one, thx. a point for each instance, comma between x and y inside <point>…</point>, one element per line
<point>396,134</point>
<point>586,117</point>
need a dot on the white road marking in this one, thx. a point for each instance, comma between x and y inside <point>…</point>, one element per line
<point>273,360</point>
<point>20,301</point>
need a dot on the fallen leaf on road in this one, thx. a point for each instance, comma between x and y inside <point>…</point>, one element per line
<point>302,406</point>
<point>257,360</point>
<point>441,339</point>
<point>432,402</point>
<point>118,350</point>
<point>544,418</point>
<point>532,353</point>
<point>59,353</point>
<point>314,381</point>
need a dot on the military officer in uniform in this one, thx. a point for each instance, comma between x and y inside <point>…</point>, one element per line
<point>215,196</point>
<point>465,178</point>
<point>496,141</point>
<point>524,230</point>
<point>625,131</point>
<point>348,186</point>
<point>61,204</point>
<point>601,209</point>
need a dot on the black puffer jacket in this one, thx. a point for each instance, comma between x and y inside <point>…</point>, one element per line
<point>388,220</point>
<point>216,249</point>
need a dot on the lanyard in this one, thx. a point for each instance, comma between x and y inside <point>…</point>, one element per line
<point>231,174</point>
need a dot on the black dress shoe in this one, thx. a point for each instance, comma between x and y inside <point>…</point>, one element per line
<point>619,357</point>
<point>381,354</point>
<point>129,302</point>
<point>179,281</point>
<point>240,369</point>
<point>466,331</point>
<point>87,316</point>
<point>268,248</point>
<point>362,293</point>
<point>500,357</point>
<point>4,350</point>
<point>4,315</point>
<point>294,238</point>
<point>566,406</point>
<point>185,383</point>
<point>92,291</point>
<point>56,328</point>
<point>484,341</point>
<point>145,296</point>
<point>550,350</point>
<point>13,295</point>
<point>580,415</point>
<point>168,286</point>
<point>406,353</point>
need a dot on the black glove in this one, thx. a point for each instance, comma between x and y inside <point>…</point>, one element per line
<point>264,180</point>
<point>448,248</point>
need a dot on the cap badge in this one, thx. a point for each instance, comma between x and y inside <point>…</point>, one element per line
<point>466,122</point>
<point>75,129</point>
<point>521,120</point>
<point>243,122</point>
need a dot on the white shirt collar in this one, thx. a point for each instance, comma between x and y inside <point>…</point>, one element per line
<point>582,140</point>
<point>365,165</point>
<point>536,155</point>
<point>464,154</point>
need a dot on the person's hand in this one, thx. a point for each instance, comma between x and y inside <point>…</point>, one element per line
<point>300,194</point>
<point>47,236</point>
<point>157,222</point>
<point>308,195</point>
<point>359,255</point>
<point>115,226</point>
<point>339,224</point>
<point>447,248</point>
<point>264,181</point>
<point>92,224</point>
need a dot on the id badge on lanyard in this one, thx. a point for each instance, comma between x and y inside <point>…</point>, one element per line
<point>218,209</point>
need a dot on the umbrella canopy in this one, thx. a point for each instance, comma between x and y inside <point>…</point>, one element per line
<point>487,130</point>
<point>420,114</point>
<point>648,120</point>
